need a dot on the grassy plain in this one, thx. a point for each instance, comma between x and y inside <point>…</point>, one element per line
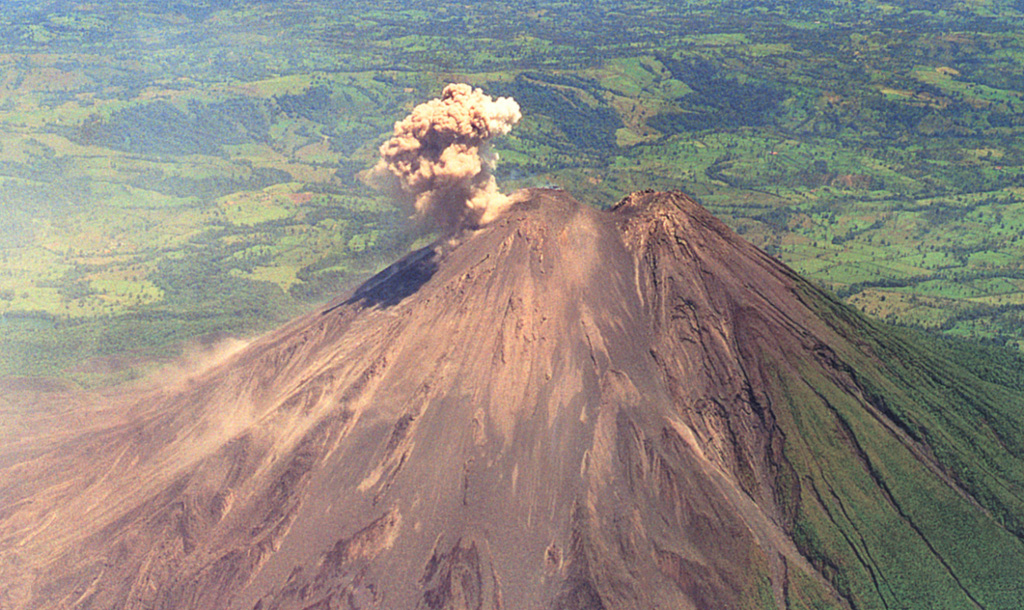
<point>200,162</point>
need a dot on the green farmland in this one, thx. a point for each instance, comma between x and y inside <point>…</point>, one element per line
<point>168,172</point>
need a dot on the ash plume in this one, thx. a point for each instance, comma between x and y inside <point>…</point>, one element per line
<point>439,161</point>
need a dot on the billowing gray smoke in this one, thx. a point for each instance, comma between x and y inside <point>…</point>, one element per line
<point>439,160</point>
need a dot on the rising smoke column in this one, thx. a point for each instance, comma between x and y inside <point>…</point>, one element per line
<point>439,159</point>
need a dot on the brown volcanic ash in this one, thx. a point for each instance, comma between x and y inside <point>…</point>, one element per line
<point>439,159</point>
<point>569,409</point>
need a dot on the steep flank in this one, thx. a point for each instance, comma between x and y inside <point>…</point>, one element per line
<point>567,409</point>
<point>895,467</point>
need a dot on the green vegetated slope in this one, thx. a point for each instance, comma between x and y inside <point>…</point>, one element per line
<point>173,170</point>
<point>926,513</point>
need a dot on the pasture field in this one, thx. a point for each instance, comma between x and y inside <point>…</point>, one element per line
<point>171,172</point>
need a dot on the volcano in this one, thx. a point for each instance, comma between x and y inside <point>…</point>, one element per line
<point>567,408</point>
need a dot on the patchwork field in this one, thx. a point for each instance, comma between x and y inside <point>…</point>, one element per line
<point>166,173</point>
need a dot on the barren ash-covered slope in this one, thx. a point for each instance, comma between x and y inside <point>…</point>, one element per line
<point>565,409</point>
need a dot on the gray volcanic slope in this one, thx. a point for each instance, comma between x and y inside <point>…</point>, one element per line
<point>567,409</point>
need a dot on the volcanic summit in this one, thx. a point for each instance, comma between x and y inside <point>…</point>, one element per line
<point>567,408</point>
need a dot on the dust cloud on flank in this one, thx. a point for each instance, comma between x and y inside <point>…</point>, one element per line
<point>199,357</point>
<point>439,158</point>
